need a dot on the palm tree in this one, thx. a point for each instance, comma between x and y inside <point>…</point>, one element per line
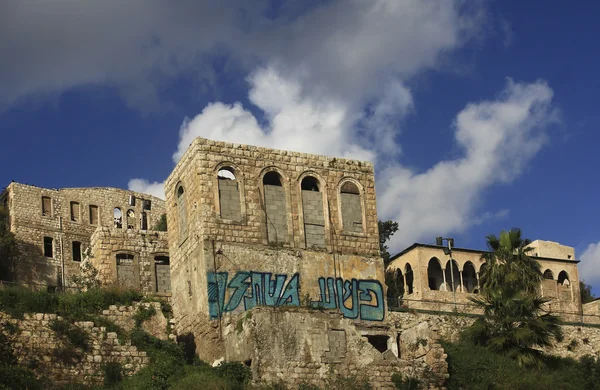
<point>514,321</point>
<point>508,263</point>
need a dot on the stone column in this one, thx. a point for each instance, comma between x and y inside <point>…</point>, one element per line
<point>462,285</point>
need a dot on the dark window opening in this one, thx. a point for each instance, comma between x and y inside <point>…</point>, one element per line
<point>380,342</point>
<point>161,259</point>
<point>75,211</point>
<point>248,363</point>
<point>147,205</point>
<point>124,258</point>
<point>310,183</point>
<point>182,212</point>
<point>469,277</point>
<point>409,278</point>
<point>144,224</point>
<point>548,274</point>
<point>272,179</point>
<point>76,251</point>
<point>563,278</point>
<point>93,214</point>
<point>131,200</point>
<point>48,247</point>
<point>46,206</point>
<point>434,274</point>
<point>452,284</point>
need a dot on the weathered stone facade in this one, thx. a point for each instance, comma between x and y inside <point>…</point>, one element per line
<point>133,259</point>
<point>424,273</point>
<point>306,236</point>
<point>37,345</point>
<point>54,228</point>
<point>299,345</point>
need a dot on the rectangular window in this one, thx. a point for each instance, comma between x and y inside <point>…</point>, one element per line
<point>93,214</point>
<point>147,205</point>
<point>48,247</point>
<point>75,211</point>
<point>131,200</point>
<point>46,206</point>
<point>76,251</point>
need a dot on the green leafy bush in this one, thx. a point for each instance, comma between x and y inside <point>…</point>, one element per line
<point>15,377</point>
<point>73,334</point>
<point>405,382</point>
<point>113,373</point>
<point>143,314</point>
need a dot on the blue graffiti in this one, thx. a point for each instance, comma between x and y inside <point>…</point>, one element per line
<point>362,299</point>
<point>254,288</point>
<point>366,298</point>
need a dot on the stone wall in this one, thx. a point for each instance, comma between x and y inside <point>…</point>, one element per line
<point>297,346</point>
<point>579,340</point>
<point>139,272</point>
<point>31,221</point>
<point>229,197</point>
<point>36,345</point>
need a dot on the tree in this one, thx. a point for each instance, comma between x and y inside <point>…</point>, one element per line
<point>586,292</point>
<point>514,321</point>
<point>8,247</point>
<point>386,231</point>
<point>161,225</point>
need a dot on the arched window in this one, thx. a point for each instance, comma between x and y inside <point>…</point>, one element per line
<point>453,284</point>
<point>548,284</point>
<point>130,219</point>
<point>181,212</point>
<point>275,208</point>
<point>127,277</point>
<point>118,218</point>
<point>469,277</point>
<point>435,274</point>
<point>351,207</point>
<point>548,274</point>
<point>410,277</point>
<point>229,194</point>
<point>312,212</point>
<point>563,278</point>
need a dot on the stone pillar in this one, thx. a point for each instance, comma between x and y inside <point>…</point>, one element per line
<point>444,276</point>
<point>462,284</point>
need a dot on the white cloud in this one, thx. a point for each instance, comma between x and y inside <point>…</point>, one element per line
<point>144,186</point>
<point>498,137</point>
<point>589,268</point>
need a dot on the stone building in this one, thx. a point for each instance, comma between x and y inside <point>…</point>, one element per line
<point>425,275</point>
<point>284,231</point>
<point>55,227</point>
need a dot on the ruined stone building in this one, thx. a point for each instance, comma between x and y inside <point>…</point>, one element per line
<point>294,236</point>
<point>55,227</point>
<point>423,272</point>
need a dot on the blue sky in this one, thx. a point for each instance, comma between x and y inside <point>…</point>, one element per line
<point>478,118</point>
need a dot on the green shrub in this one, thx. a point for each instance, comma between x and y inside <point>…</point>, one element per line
<point>7,356</point>
<point>143,314</point>
<point>234,372</point>
<point>15,377</point>
<point>405,382</point>
<point>67,354</point>
<point>73,334</point>
<point>113,373</point>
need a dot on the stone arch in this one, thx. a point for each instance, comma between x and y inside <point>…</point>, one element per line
<point>469,277</point>
<point>350,205</point>
<point>548,274</point>
<point>313,213</point>
<point>453,285</point>
<point>229,199</point>
<point>435,274</point>
<point>275,205</point>
<point>410,278</point>
<point>563,278</point>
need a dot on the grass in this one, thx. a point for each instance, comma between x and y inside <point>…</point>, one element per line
<point>17,301</point>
